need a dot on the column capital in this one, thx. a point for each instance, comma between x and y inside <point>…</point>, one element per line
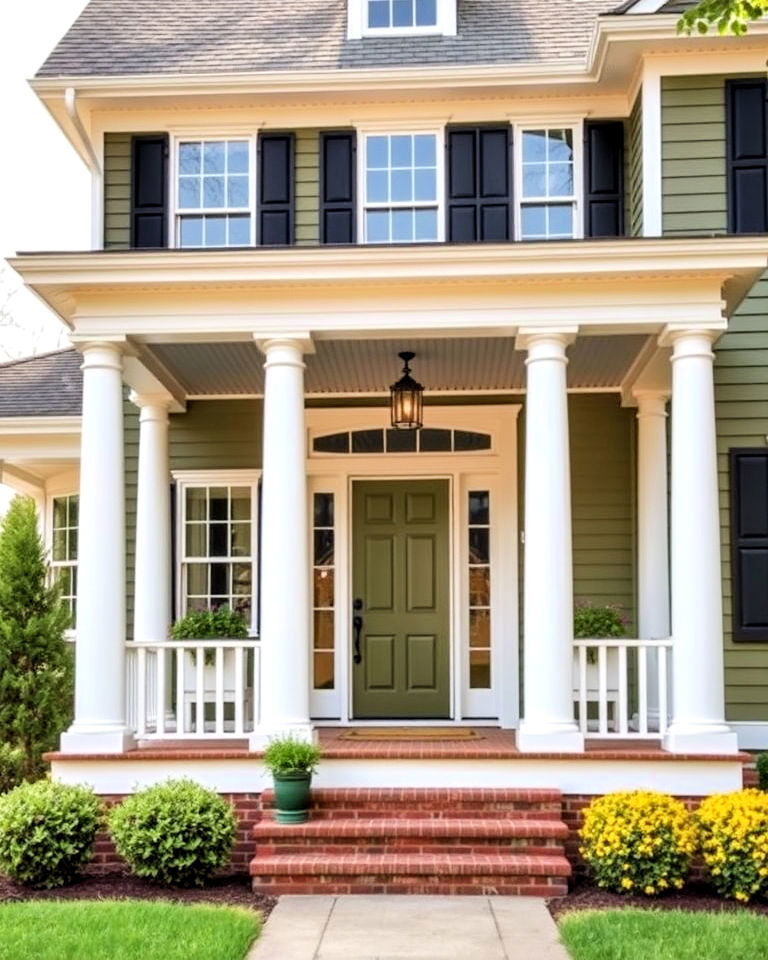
<point>291,340</point>
<point>554,338</point>
<point>678,335</point>
<point>153,406</point>
<point>104,354</point>
<point>651,403</point>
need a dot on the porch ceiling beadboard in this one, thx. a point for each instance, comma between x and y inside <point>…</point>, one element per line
<point>695,202</point>
<point>369,366</point>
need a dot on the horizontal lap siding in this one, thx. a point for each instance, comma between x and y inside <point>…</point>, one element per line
<point>117,191</point>
<point>695,201</point>
<point>307,187</point>
<point>603,503</point>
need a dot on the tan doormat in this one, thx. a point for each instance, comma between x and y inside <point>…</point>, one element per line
<point>411,733</point>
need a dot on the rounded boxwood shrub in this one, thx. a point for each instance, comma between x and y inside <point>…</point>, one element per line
<point>733,833</point>
<point>638,842</point>
<point>47,832</point>
<point>176,833</point>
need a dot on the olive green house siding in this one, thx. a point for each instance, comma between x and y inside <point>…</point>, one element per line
<point>695,202</point>
<point>117,191</point>
<point>634,191</point>
<point>307,187</point>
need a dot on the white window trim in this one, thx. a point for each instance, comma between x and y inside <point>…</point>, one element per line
<point>211,478</point>
<point>357,20</point>
<point>378,129</point>
<point>576,124</point>
<point>175,212</point>
<point>71,632</point>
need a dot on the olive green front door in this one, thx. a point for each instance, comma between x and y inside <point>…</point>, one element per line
<point>401,607</point>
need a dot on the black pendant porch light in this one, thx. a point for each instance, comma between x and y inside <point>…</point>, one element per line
<point>407,398</point>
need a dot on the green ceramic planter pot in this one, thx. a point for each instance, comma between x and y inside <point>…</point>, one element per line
<point>292,796</point>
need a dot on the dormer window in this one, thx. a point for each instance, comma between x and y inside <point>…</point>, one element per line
<point>382,18</point>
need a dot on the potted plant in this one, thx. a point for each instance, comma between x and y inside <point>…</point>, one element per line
<point>291,763</point>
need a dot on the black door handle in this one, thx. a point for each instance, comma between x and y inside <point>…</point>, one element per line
<point>357,623</point>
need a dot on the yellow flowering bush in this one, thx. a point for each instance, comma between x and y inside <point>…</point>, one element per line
<point>638,842</point>
<point>733,833</point>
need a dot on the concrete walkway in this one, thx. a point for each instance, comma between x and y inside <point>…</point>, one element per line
<point>409,928</point>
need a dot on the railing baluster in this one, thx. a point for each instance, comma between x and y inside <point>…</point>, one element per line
<point>663,709</point>
<point>602,689</point>
<point>181,725</point>
<point>141,692</point>
<point>239,692</point>
<point>160,692</point>
<point>583,702</point>
<point>219,690</point>
<point>199,691</point>
<point>623,705</point>
<point>642,689</point>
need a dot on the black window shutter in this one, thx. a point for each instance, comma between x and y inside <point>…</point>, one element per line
<point>479,184</point>
<point>276,189</point>
<point>337,187</point>
<point>604,178</point>
<point>747,157</point>
<point>749,544</point>
<point>149,191</point>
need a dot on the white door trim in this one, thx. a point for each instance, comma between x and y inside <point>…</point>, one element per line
<point>495,470</point>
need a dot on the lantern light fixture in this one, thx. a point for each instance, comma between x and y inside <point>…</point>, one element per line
<point>407,398</point>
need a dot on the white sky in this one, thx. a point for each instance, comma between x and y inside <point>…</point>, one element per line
<point>44,186</point>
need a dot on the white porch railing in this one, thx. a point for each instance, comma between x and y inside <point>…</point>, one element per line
<point>188,689</point>
<point>627,684</point>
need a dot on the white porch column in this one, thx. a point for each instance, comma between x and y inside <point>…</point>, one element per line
<point>152,611</point>
<point>285,592</point>
<point>698,724</point>
<point>652,532</point>
<point>100,718</point>
<point>548,723</point>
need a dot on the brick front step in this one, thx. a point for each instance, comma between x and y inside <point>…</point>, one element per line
<point>452,873</point>
<point>441,841</point>
<point>420,835</point>
<point>366,803</point>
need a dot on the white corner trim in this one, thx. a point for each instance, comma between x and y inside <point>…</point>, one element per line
<point>651,165</point>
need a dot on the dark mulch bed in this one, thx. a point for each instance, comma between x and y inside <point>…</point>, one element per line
<point>233,891</point>
<point>695,897</point>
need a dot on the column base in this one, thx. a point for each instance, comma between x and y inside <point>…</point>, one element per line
<point>550,738</point>
<point>262,736</point>
<point>98,740</point>
<point>700,738</point>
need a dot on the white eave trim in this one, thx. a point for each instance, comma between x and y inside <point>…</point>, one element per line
<point>27,426</point>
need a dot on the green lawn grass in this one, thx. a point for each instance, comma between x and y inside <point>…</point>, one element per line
<point>124,930</point>
<point>664,935</point>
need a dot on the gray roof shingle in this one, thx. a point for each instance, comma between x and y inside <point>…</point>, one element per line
<point>49,385</point>
<point>129,37</point>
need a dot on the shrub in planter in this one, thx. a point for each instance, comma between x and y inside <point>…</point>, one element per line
<point>733,832</point>
<point>291,763</point>
<point>11,767</point>
<point>176,833</point>
<point>47,832</point>
<point>638,842</point>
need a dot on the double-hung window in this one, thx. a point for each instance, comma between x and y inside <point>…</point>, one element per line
<point>383,14</point>
<point>214,192</point>
<point>63,562</point>
<point>548,207</point>
<point>401,188</point>
<point>217,542</point>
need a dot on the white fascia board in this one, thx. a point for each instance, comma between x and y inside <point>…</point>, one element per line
<point>39,426</point>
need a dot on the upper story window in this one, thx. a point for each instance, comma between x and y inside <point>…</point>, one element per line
<point>214,193</point>
<point>547,166</point>
<point>371,18</point>
<point>401,188</point>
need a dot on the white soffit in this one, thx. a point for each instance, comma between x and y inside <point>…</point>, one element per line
<point>369,366</point>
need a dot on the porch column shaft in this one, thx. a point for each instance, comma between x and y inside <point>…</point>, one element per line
<point>652,532</point>
<point>698,724</point>
<point>285,597</point>
<point>153,603</point>
<point>548,722</point>
<point>100,715</point>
